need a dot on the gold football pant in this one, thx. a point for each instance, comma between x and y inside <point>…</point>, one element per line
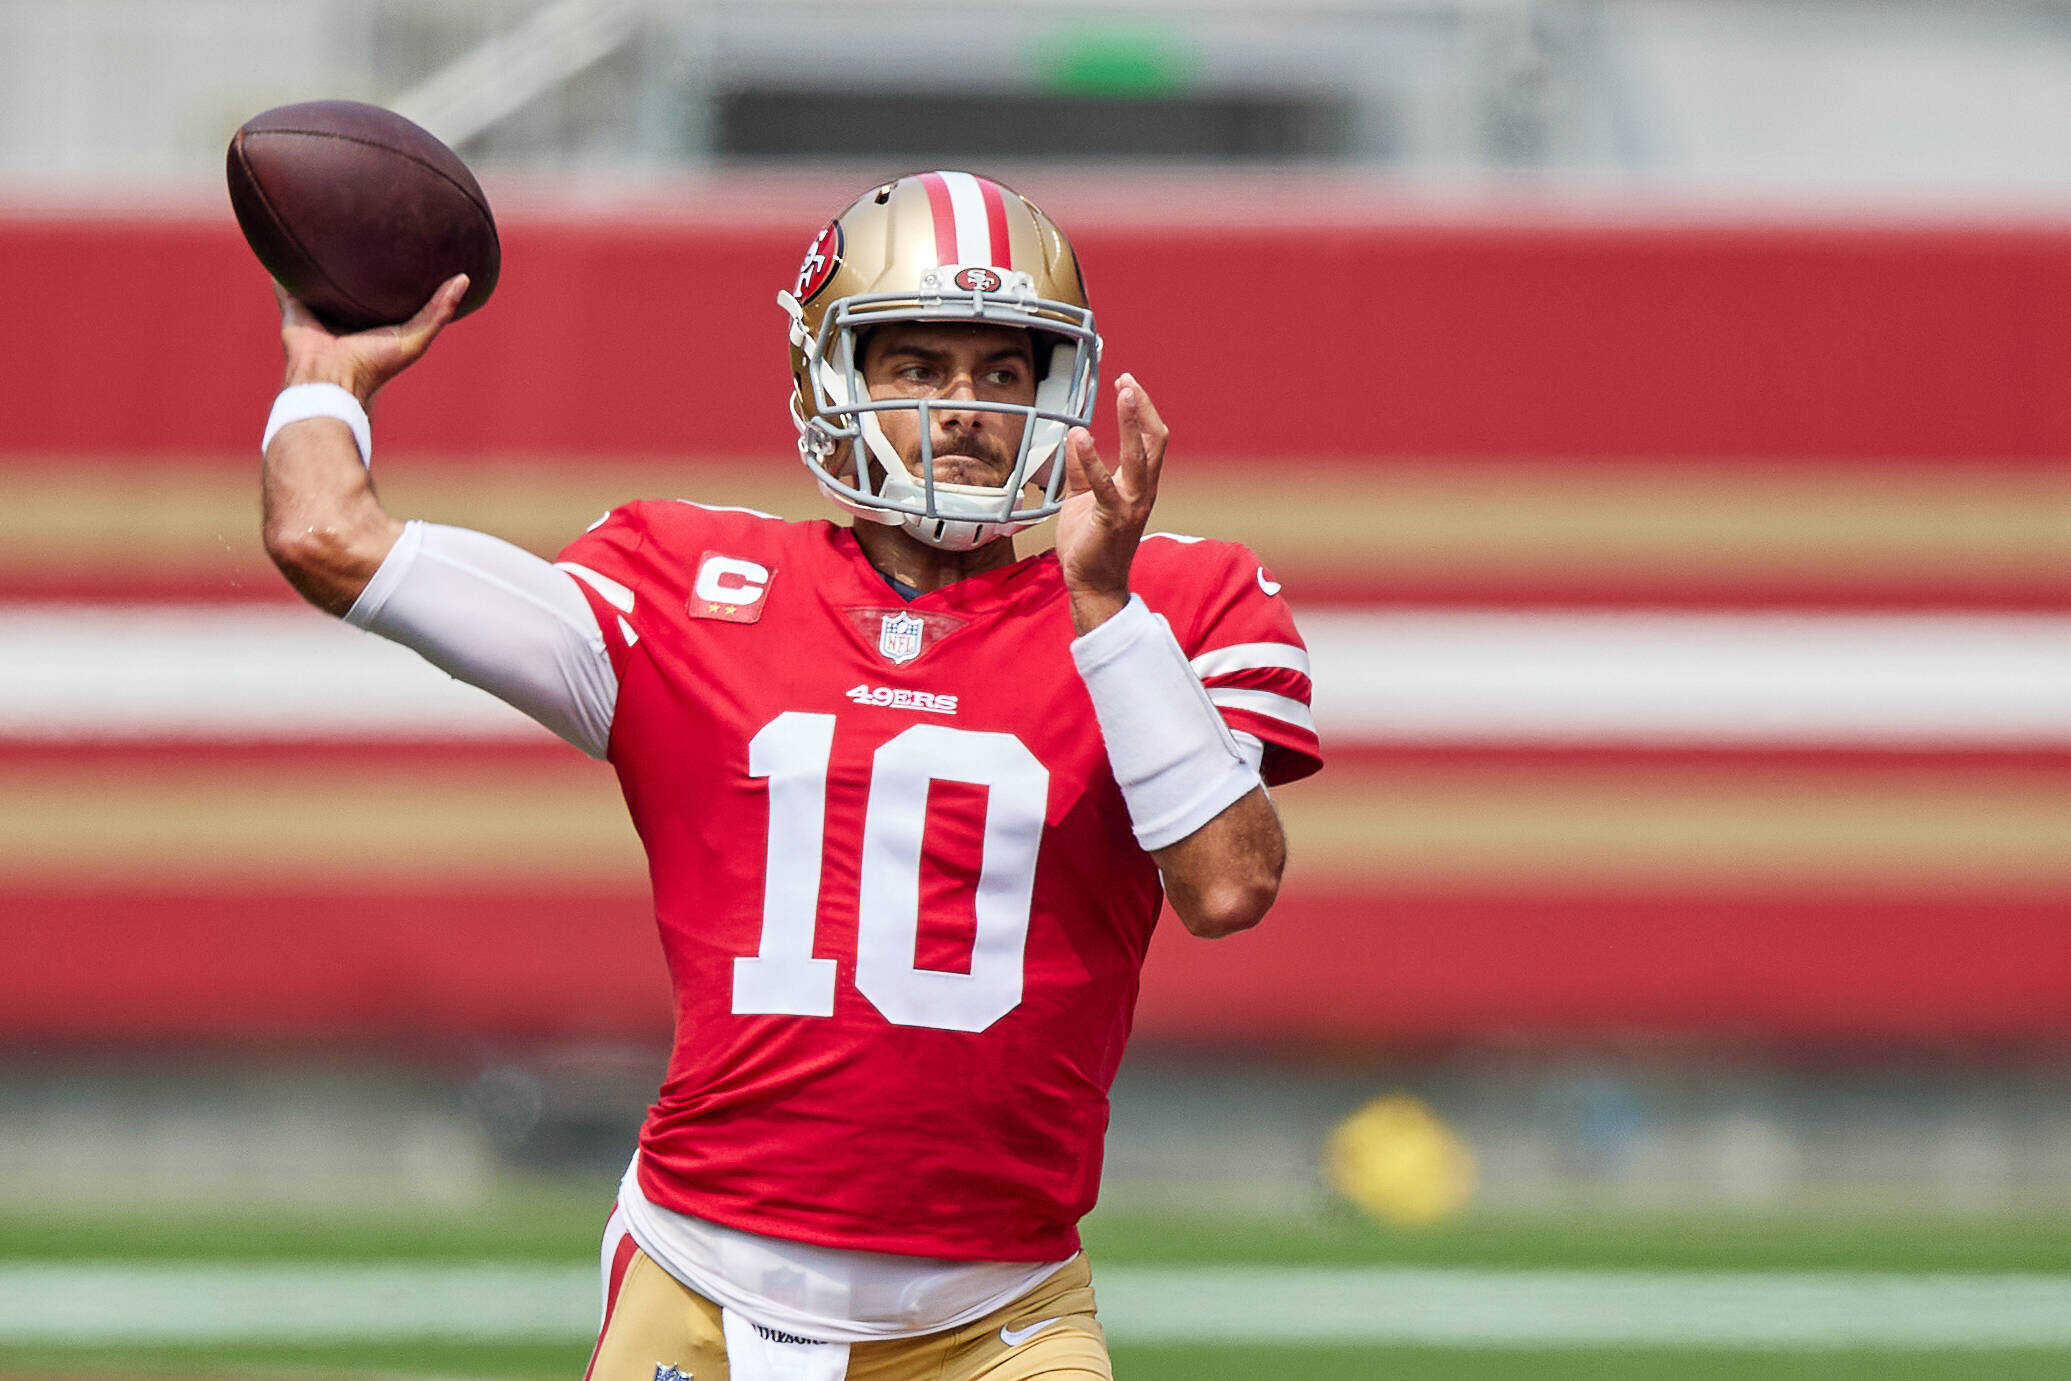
<point>655,1322</point>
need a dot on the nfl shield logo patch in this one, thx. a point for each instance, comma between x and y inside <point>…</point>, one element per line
<point>899,638</point>
<point>662,1373</point>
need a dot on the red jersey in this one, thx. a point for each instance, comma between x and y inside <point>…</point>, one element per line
<point>901,905</point>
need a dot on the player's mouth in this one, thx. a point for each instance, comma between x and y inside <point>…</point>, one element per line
<point>965,463</point>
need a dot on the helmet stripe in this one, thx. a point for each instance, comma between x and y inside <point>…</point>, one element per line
<point>972,244</point>
<point>944,211</point>
<point>996,223</point>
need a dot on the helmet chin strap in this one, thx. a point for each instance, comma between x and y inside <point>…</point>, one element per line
<point>946,533</point>
<point>940,533</point>
<point>888,460</point>
<point>947,536</point>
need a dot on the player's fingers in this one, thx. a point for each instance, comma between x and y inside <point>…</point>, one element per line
<point>1084,469</point>
<point>1128,414</point>
<point>1150,426</point>
<point>415,335</point>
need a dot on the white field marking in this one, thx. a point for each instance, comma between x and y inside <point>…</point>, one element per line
<point>195,1302</point>
<point>1622,1308</point>
<point>125,1303</point>
<point>1448,676</point>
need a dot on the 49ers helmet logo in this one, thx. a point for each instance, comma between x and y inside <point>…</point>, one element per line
<point>822,258</point>
<point>978,280</point>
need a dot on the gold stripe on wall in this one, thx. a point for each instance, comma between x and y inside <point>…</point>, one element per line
<point>392,821</point>
<point>1948,830</point>
<point>1852,526</point>
<point>187,826</point>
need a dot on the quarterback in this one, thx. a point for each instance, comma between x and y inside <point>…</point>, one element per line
<point>911,802</point>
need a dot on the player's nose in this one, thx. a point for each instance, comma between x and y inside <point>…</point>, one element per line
<point>962,388</point>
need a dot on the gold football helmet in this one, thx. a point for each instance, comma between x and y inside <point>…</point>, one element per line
<point>942,246</point>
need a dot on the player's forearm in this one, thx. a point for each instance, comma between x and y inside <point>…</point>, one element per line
<point>1090,608</point>
<point>1224,877</point>
<point>324,527</point>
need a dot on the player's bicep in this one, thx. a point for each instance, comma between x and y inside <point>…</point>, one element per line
<point>496,616</point>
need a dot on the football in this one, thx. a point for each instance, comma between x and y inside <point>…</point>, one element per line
<point>358,212</point>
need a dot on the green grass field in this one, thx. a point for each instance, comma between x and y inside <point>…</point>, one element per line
<point>556,1226</point>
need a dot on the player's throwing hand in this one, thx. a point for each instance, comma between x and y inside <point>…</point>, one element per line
<point>1101,523</point>
<point>364,361</point>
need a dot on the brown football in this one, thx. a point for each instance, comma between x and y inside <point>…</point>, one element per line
<point>358,212</point>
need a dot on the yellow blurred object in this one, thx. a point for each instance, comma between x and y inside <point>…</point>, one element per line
<point>1399,1163</point>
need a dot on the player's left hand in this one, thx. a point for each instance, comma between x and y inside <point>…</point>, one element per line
<point>1103,519</point>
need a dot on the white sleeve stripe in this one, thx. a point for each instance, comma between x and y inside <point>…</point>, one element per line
<point>613,593</point>
<point>1221,661</point>
<point>1264,703</point>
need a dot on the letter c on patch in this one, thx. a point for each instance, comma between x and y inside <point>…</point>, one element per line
<point>731,580</point>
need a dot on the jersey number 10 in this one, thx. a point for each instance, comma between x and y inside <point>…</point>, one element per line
<point>794,751</point>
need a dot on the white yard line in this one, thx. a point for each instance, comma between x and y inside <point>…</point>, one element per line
<point>125,1303</point>
<point>1472,1307</point>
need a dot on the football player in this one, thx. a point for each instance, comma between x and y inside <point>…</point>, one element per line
<point>911,801</point>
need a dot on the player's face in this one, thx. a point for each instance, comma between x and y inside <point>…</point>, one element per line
<point>953,362</point>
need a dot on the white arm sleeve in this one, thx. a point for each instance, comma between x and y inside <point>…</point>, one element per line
<point>496,616</point>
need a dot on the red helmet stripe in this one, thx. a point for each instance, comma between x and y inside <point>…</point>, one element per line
<point>945,216</point>
<point>996,223</point>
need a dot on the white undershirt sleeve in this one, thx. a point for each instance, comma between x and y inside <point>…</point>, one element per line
<point>496,616</point>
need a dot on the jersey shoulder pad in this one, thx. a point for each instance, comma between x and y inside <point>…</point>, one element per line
<point>639,562</point>
<point>688,529</point>
<point>648,539</point>
<point>1175,556</point>
<point>1181,576</point>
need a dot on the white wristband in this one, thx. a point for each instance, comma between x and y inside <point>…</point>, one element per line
<point>299,402</point>
<point>1172,755</point>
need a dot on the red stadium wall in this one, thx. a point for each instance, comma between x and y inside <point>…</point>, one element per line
<point>1914,380</point>
<point>1357,341</point>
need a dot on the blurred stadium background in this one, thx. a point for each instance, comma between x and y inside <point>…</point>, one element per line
<point>1658,412</point>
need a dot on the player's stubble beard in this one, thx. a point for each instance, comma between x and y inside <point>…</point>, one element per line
<point>983,462</point>
<point>974,451</point>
